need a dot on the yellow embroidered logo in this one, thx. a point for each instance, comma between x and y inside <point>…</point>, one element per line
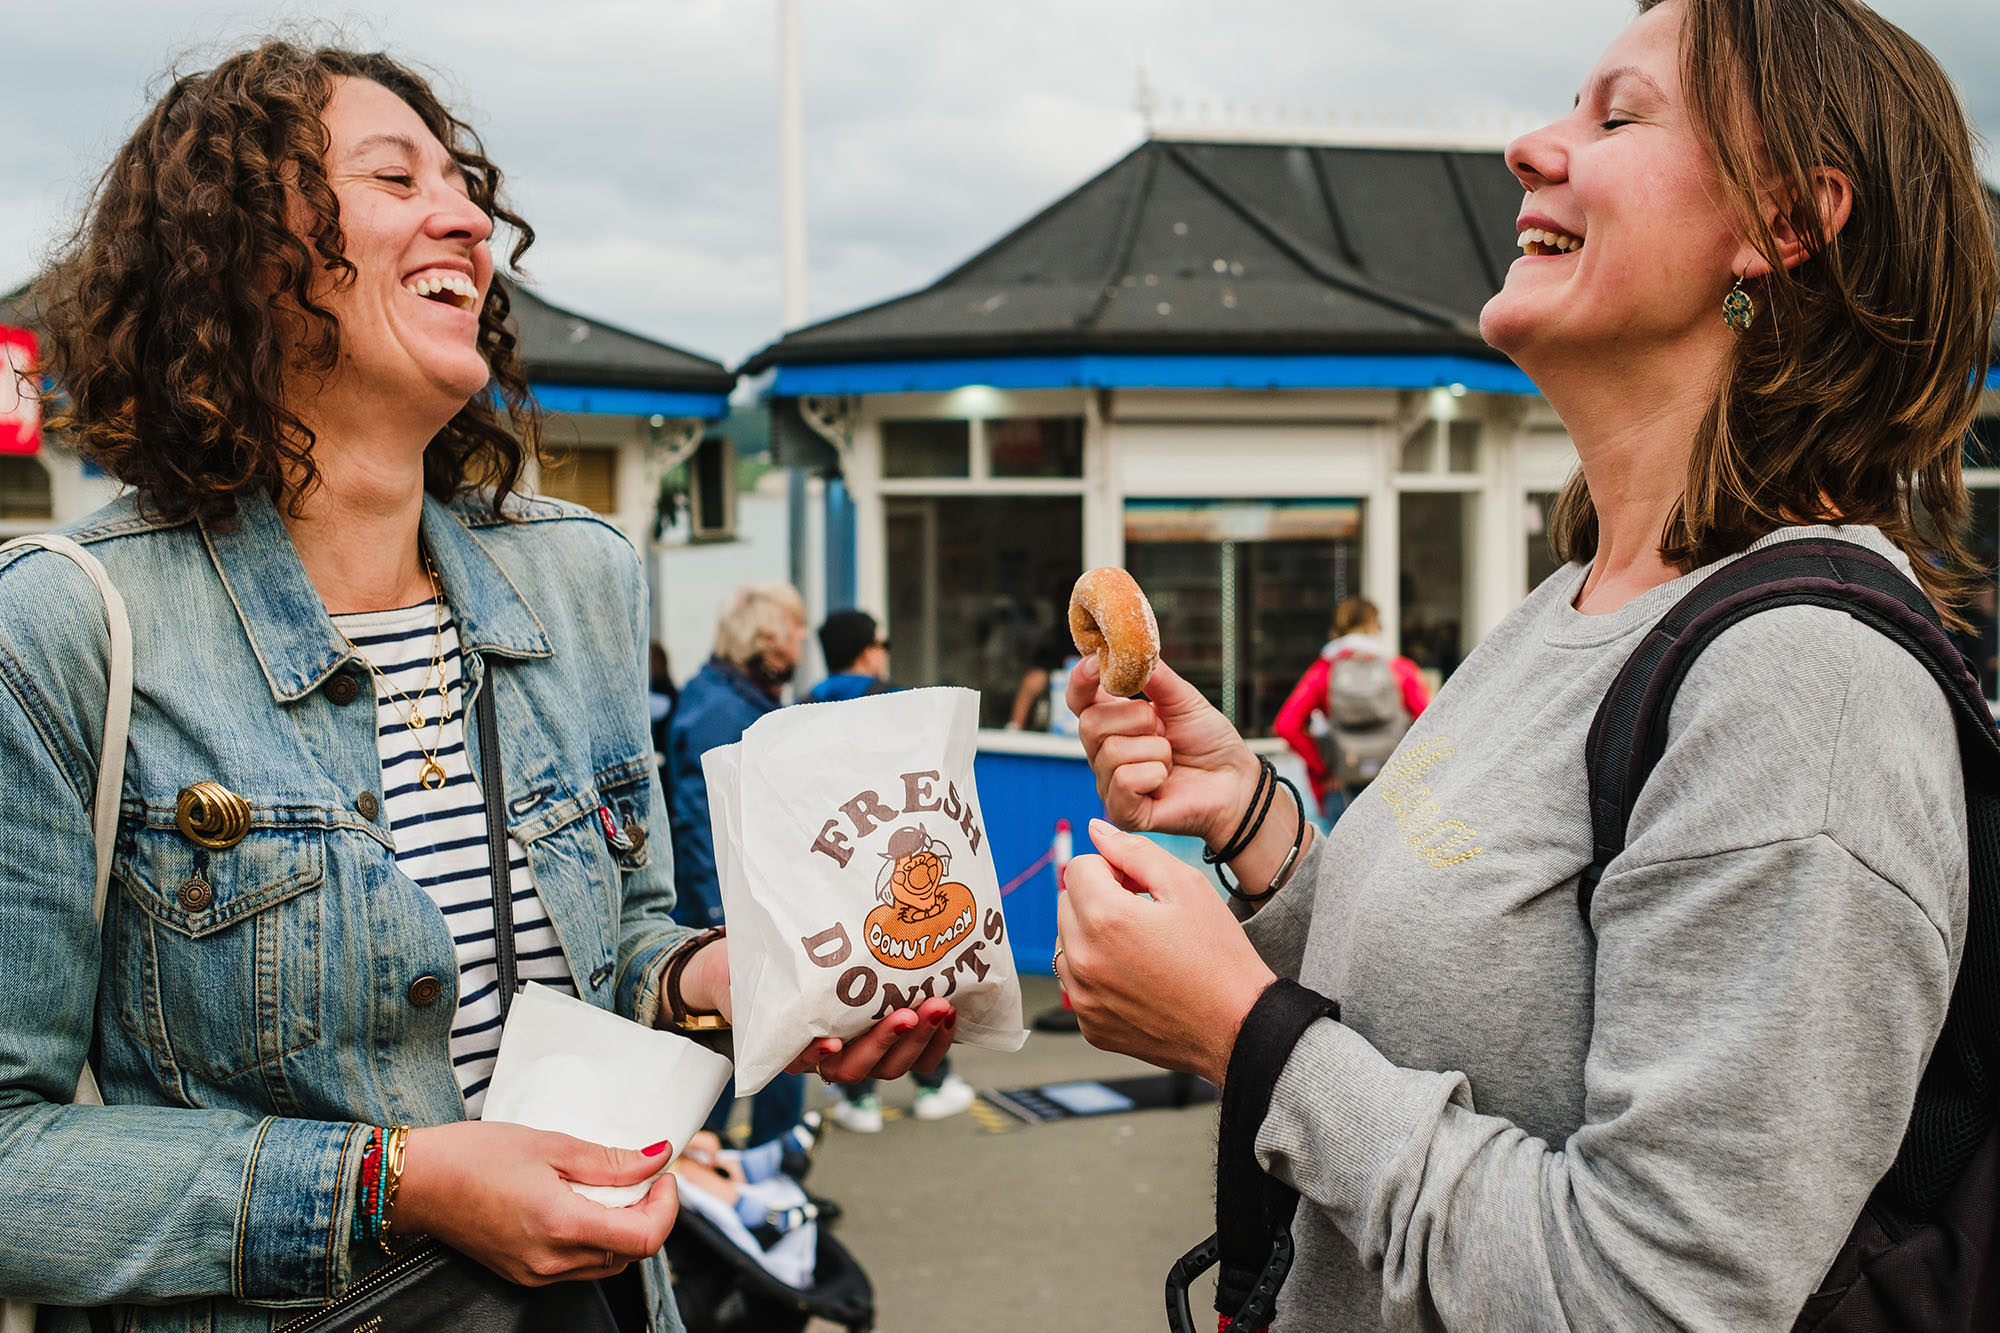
<point>1425,831</point>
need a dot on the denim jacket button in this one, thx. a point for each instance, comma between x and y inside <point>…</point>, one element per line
<point>368,804</point>
<point>424,991</point>
<point>196,895</point>
<point>343,688</point>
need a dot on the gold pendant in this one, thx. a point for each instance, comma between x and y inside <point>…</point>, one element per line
<point>432,775</point>
<point>416,720</point>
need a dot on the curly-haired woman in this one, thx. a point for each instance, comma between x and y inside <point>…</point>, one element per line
<point>278,325</point>
<point>1667,1116</point>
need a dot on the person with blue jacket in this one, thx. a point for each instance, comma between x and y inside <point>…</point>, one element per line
<point>758,640</point>
<point>279,329</point>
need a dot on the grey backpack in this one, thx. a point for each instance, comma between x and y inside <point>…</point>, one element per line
<point>1365,715</point>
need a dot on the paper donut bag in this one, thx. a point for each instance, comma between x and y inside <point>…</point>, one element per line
<point>856,875</point>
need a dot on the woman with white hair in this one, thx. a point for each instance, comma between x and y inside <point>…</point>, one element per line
<point>758,639</point>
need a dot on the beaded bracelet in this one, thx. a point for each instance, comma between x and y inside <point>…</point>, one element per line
<point>381,1174</point>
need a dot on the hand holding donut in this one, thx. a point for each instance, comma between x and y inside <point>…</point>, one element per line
<point>1166,763</point>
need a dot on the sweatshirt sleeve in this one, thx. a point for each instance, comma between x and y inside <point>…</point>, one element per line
<point>1763,1012</point>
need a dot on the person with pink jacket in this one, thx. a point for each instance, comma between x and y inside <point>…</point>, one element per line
<point>1366,698</point>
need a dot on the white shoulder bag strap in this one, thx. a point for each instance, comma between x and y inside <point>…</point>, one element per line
<point>19,1316</point>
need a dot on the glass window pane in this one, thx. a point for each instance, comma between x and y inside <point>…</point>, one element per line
<point>926,448</point>
<point>24,488</point>
<point>1463,446</point>
<point>976,583</point>
<point>1035,447</point>
<point>1420,449</point>
<point>1244,592</point>
<point>584,475</point>
<point>1433,546</point>
<point>1542,560</point>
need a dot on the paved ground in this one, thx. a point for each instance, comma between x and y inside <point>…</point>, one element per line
<point>978,1224</point>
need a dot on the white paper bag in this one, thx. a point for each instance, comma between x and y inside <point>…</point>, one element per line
<point>856,875</point>
<point>576,1069</point>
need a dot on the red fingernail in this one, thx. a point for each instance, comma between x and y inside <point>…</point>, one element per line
<point>656,1149</point>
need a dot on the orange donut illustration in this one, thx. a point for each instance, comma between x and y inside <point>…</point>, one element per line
<point>922,914</point>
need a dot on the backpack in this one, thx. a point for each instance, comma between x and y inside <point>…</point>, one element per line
<point>1365,716</point>
<point>1924,1256</point>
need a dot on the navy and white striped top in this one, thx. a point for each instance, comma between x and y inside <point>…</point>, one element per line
<point>440,833</point>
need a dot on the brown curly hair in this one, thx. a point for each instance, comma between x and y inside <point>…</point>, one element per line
<point>164,325</point>
<point>1852,393</point>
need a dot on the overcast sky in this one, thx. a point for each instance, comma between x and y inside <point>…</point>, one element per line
<point>640,136</point>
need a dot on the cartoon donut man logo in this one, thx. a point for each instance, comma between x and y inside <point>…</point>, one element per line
<point>921,911</point>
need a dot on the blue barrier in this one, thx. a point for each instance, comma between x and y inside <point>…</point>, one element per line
<point>1022,796</point>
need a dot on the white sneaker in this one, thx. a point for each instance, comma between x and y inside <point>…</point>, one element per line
<point>946,1099</point>
<point>859,1115</point>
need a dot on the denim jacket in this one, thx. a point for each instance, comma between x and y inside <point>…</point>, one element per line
<point>249,1010</point>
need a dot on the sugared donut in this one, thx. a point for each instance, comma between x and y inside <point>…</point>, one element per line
<point>1109,616</point>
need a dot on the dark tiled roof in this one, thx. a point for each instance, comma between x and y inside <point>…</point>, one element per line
<point>1218,247</point>
<point>559,346</point>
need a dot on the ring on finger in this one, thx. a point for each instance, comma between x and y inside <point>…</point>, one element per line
<point>610,1259</point>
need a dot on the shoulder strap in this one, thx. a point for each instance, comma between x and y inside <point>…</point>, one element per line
<point>492,782</point>
<point>1955,1099</point>
<point>118,705</point>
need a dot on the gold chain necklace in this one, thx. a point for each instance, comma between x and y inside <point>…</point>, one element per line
<point>432,773</point>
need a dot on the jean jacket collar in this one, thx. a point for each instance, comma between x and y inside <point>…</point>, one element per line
<point>287,624</point>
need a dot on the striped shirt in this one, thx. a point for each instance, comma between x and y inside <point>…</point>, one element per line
<point>440,833</point>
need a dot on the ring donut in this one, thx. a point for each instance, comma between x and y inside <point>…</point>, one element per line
<point>1109,616</point>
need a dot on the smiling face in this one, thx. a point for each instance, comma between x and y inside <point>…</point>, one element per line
<point>1627,245</point>
<point>409,319</point>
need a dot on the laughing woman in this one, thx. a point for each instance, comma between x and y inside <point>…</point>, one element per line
<point>1669,1116</point>
<point>278,327</point>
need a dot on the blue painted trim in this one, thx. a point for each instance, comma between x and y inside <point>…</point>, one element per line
<point>615,401</point>
<point>1154,372</point>
<point>841,543</point>
<point>1993,379</point>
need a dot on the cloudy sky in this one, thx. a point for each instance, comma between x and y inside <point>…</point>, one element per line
<point>640,136</point>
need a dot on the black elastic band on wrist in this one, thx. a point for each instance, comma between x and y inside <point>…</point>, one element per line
<point>1290,863</point>
<point>1253,824</point>
<point>1246,828</point>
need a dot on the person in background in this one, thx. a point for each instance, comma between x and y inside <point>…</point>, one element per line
<point>663,694</point>
<point>758,641</point>
<point>1352,706</point>
<point>1041,688</point>
<point>857,656</point>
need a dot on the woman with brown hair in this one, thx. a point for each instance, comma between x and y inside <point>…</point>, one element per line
<point>1758,284</point>
<point>279,327</point>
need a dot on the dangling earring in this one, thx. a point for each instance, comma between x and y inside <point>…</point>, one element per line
<point>1738,310</point>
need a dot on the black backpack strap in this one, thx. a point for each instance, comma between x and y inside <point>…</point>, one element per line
<point>1253,1210</point>
<point>1955,1098</point>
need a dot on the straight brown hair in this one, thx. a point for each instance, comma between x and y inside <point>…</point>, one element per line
<point>1850,395</point>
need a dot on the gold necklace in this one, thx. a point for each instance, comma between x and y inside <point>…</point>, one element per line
<point>432,773</point>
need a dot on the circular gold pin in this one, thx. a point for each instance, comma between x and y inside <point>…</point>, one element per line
<point>212,816</point>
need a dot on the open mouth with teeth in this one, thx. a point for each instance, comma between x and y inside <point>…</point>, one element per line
<point>1535,241</point>
<point>452,289</point>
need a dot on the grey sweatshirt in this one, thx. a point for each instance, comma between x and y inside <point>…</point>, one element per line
<point>1673,1126</point>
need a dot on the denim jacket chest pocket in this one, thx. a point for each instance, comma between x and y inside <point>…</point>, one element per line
<point>216,954</point>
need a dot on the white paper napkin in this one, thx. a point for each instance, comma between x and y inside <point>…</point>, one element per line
<point>573,1068</point>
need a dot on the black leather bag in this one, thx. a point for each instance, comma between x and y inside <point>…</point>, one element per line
<point>432,1288</point>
